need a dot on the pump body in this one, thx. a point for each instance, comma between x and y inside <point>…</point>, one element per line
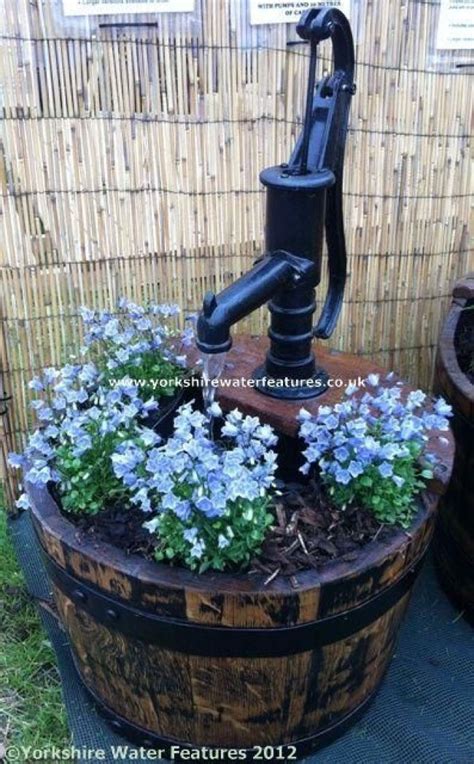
<point>303,201</point>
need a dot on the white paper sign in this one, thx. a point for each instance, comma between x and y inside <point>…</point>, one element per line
<point>289,11</point>
<point>106,7</point>
<point>456,25</point>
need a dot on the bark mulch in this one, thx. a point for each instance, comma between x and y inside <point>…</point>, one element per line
<point>309,531</point>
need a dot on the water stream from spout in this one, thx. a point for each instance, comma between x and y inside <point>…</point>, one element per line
<point>212,368</point>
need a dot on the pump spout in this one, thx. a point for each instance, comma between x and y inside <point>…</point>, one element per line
<point>220,312</point>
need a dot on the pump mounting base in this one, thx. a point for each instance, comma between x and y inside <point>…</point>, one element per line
<point>289,388</point>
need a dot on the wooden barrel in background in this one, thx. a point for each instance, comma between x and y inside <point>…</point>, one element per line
<point>454,547</point>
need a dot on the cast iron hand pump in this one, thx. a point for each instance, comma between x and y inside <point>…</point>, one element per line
<point>303,197</point>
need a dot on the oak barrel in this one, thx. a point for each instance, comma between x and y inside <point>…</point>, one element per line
<point>221,660</point>
<point>454,545</point>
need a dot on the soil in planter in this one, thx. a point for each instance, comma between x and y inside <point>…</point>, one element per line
<point>120,526</point>
<point>309,531</point>
<point>464,341</point>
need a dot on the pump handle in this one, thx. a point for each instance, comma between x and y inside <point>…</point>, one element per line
<point>322,144</point>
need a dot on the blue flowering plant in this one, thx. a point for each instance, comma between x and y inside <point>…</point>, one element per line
<point>139,344</point>
<point>205,502</point>
<point>82,423</point>
<point>130,359</point>
<point>369,448</point>
<point>208,501</point>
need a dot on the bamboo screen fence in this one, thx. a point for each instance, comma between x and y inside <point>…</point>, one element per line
<point>130,159</point>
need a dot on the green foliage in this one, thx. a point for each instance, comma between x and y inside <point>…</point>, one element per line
<point>154,375</point>
<point>224,542</point>
<point>31,708</point>
<point>390,503</point>
<point>88,482</point>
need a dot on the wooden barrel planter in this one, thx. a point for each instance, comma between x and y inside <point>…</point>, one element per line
<point>454,545</point>
<point>220,660</point>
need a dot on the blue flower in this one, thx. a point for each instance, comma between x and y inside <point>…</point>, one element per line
<point>23,502</point>
<point>442,408</point>
<point>214,409</point>
<point>152,525</point>
<point>49,375</point>
<point>332,422</point>
<point>126,461</point>
<point>230,430</point>
<point>385,469</point>
<point>167,310</point>
<point>149,437</point>
<point>88,374</point>
<point>45,414</point>
<point>36,385</point>
<point>86,314</point>
<point>112,328</point>
<point>373,380</point>
<point>357,427</point>
<point>39,476</point>
<point>416,398</point>
<point>342,476</point>
<point>123,355</point>
<point>205,505</point>
<point>82,444</point>
<point>355,468</point>
<point>142,498</point>
<point>38,441</point>
<point>182,509</point>
<point>190,534</point>
<point>16,461</point>
<point>198,549</point>
<point>351,389</point>
<point>51,432</point>
<point>187,336</point>
<point>389,451</point>
<point>266,434</point>
<point>341,454</point>
<point>143,324</point>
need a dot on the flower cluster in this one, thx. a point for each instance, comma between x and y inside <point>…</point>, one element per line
<point>368,448</point>
<point>81,425</point>
<point>209,500</point>
<point>137,343</point>
<point>83,417</point>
